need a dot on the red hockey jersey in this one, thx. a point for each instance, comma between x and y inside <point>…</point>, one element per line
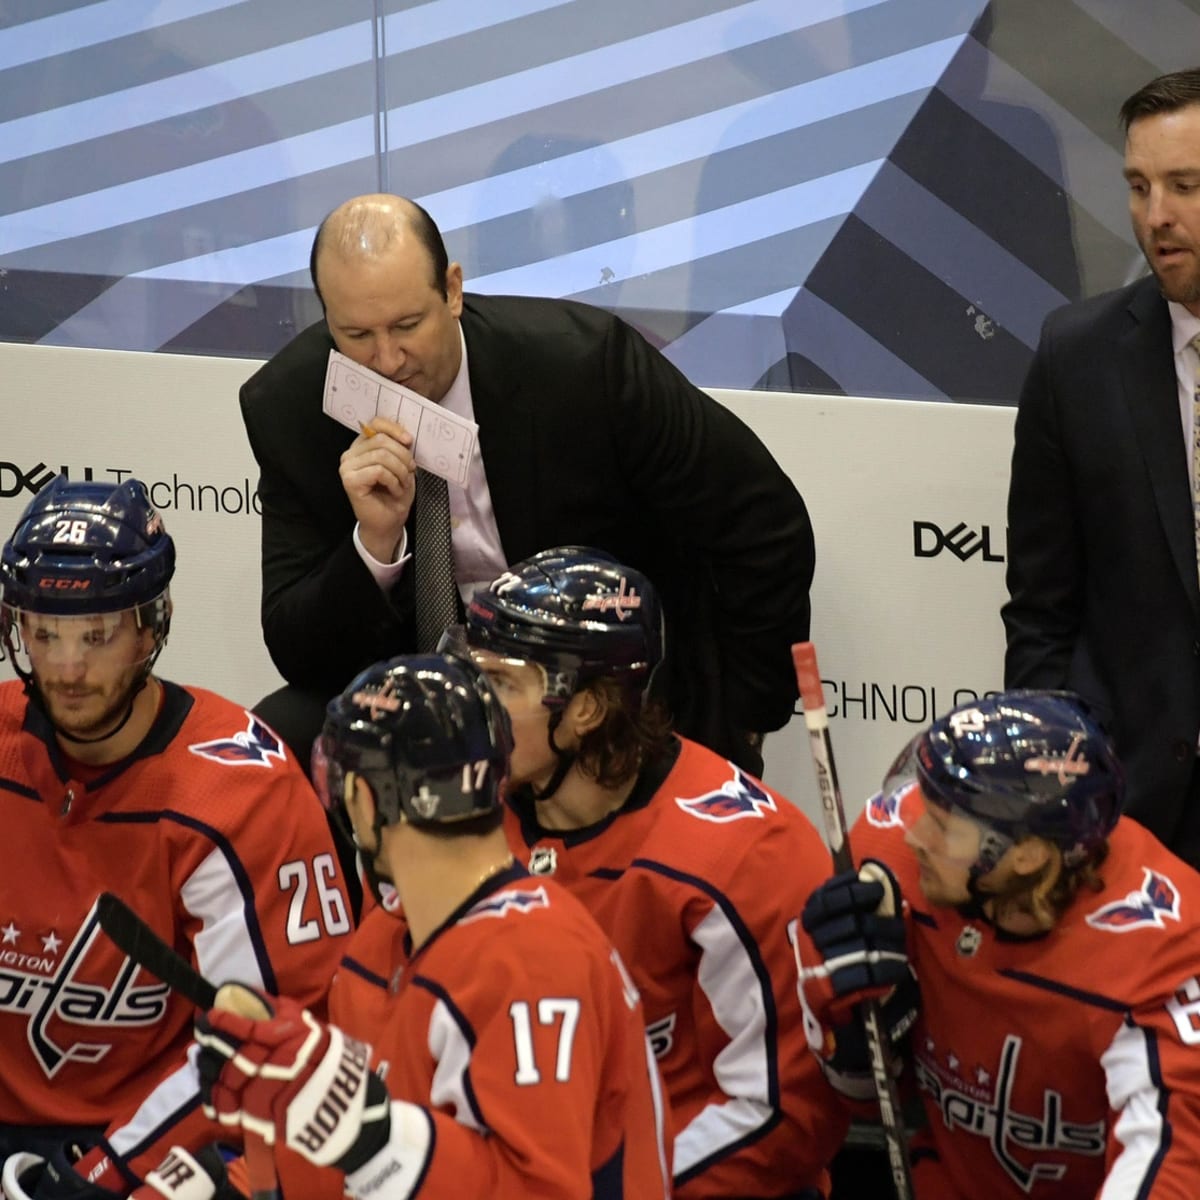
<point>695,880</point>
<point>1065,1065</point>
<point>515,1021</point>
<point>214,837</point>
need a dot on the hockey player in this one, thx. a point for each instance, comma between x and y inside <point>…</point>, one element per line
<point>506,1039</point>
<point>1056,945</point>
<point>689,864</point>
<point>179,802</point>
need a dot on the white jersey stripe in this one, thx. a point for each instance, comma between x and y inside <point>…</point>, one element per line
<point>742,1069</point>
<point>451,1051</point>
<point>1133,1091</point>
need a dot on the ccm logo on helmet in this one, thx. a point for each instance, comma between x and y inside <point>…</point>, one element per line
<point>64,585</point>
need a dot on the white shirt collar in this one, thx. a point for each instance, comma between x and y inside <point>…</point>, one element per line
<point>1184,326</point>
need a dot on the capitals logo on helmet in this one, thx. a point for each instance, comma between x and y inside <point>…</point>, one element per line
<point>426,732</point>
<point>1024,763</point>
<point>735,800</point>
<point>577,613</point>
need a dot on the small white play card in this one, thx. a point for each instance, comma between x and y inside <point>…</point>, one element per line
<point>442,441</point>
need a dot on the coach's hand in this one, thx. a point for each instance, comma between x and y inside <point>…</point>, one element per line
<point>289,1078</point>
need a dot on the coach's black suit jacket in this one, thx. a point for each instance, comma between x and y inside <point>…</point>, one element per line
<point>1101,550</point>
<point>588,436</point>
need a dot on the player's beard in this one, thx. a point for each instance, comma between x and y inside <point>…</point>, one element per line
<point>90,712</point>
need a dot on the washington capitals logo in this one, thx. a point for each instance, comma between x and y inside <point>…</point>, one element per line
<point>501,904</point>
<point>378,699</point>
<point>256,746</point>
<point>884,811</point>
<point>1158,899</point>
<point>740,797</point>
<point>622,602</point>
<point>1064,766</point>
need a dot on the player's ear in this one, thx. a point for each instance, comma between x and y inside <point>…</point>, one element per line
<point>1031,855</point>
<point>360,804</point>
<point>586,711</point>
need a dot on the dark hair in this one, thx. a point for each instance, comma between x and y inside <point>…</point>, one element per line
<point>1167,93</point>
<point>427,233</point>
<point>630,734</point>
<point>1048,893</point>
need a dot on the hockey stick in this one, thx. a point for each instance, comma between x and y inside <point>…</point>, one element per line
<point>883,1059</point>
<point>134,938</point>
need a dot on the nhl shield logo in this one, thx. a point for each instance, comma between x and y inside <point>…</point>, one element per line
<point>543,861</point>
<point>968,941</point>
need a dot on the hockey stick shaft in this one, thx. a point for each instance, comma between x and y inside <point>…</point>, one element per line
<point>134,938</point>
<point>883,1059</point>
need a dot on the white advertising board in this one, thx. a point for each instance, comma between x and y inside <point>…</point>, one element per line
<point>907,501</point>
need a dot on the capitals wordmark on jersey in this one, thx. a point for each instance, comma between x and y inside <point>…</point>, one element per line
<point>977,1098</point>
<point>63,998</point>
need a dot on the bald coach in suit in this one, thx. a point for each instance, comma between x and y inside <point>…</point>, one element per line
<point>587,435</point>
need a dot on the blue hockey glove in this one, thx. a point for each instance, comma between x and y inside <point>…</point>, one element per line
<point>856,924</point>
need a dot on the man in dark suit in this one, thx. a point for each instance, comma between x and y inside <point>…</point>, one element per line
<point>1102,514</point>
<point>587,435</point>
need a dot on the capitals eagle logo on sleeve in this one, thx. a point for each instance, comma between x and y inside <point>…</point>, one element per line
<point>1158,898</point>
<point>740,797</point>
<point>884,811</point>
<point>255,746</point>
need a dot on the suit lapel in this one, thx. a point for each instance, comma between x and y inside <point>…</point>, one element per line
<point>506,427</point>
<point>1148,375</point>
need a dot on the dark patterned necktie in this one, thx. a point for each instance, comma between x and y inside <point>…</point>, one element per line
<point>433,559</point>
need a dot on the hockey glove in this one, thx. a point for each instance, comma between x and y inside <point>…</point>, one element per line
<point>857,927</point>
<point>32,1177</point>
<point>180,1176</point>
<point>293,1080</point>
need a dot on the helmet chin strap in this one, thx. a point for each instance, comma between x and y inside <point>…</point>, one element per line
<point>565,760</point>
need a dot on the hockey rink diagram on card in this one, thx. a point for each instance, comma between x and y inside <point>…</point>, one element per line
<point>443,442</point>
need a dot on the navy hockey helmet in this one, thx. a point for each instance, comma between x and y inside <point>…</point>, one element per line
<point>87,548</point>
<point>577,613</point>
<point>84,548</point>
<point>428,735</point>
<point>1023,763</point>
